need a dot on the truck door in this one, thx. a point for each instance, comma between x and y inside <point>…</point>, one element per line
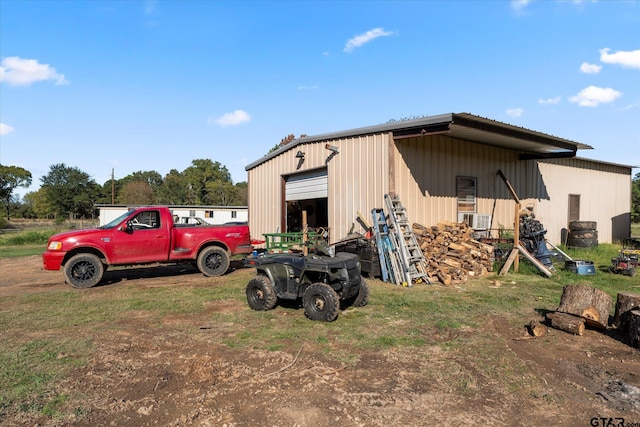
<point>148,240</point>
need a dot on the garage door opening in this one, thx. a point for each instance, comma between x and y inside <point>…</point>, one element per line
<point>306,192</point>
<point>317,214</point>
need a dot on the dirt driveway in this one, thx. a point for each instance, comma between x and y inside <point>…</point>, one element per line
<point>188,377</point>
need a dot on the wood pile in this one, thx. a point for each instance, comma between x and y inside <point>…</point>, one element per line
<point>451,253</point>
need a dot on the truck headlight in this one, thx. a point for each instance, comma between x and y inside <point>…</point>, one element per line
<point>54,246</point>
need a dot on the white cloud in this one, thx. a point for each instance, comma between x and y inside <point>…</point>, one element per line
<point>232,119</point>
<point>519,5</point>
<point>361,39</point>
<point>515,112</point>
<point>5,129</point>
<point>17,71</point>
<point>628,59</point>
<point>550,101</point>
<point>593,96</point>
<point>150,7</point>
<point>590,68</point>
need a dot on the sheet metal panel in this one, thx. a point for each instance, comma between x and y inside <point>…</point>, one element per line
<point>310,185</point>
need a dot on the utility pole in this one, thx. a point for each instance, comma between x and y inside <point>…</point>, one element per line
<point>113,189</point>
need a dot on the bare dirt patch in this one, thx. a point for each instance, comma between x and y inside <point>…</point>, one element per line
<point>186,375</point>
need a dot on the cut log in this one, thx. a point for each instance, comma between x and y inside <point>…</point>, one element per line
<point>536,328</point>
<point>566,322</point>
<point>625,302</point>
<point>634,328</point>
<point>587,302</point>
<point>445,279</point>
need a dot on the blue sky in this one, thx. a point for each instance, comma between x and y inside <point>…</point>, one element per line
<point>152,85</point>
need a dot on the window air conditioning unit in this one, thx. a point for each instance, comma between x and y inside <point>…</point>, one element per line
<point>475,221</point>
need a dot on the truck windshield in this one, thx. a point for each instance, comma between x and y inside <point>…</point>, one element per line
<point>116,221</point>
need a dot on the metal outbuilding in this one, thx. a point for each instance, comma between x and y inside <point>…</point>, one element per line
<point>443,168</point>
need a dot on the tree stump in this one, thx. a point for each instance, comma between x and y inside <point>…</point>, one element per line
<point>626,302</point>
<point>634,328</point>
<point>566,322</point>
<point>590,303</point>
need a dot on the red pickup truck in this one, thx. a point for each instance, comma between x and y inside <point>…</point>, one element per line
<point>142,236</point>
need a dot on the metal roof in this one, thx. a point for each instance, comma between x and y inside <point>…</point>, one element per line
<point>529,143</point>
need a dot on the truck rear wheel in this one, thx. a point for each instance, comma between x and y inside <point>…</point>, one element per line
<point>83,271</point>
<point>213,261</point>
<point>260,293</point>
<point>320,302</point>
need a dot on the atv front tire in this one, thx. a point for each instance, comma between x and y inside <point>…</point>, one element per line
<point>320,302</point>
<point>362,298</point>
<point>260,293</point>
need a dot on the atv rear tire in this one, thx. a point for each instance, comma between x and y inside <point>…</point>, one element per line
<point>320,302</point>
<point>261,295</point>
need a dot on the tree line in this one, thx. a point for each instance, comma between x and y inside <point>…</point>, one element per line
<point>68,192</point>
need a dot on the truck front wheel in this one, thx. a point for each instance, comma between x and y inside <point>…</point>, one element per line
<point>83,271</point>
<point>320,302</point>
<point>213,261</point>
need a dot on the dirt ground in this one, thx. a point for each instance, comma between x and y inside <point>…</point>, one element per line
<point>187,377</point>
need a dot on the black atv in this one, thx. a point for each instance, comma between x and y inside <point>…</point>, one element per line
<point>322,281</point>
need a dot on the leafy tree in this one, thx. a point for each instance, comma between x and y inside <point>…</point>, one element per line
<point>402,119</point>
<point>37,200</point>
<point>151,178</point>
<point>174,189</point>
<point>284,141</point>
<point>70,191</point>
<point>242,194</point>
<point>635,198</point>
<point>12,177</point>
<point>220,193</point>
<point>137,193</point>
<point>199,174</point>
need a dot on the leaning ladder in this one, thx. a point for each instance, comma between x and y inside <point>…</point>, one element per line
<point>387,251</point>
<point>413,261</point>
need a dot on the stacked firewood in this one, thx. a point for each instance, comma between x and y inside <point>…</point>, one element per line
<point>451,253</point>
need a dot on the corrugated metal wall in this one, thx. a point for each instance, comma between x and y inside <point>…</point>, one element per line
<point>426,170</point>
<point>357,181</point>
<point>423,171</point>
<point>604,191</point>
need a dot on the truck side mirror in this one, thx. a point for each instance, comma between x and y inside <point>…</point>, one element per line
<point>127,227</point>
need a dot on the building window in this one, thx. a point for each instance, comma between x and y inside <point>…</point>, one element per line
<point>466,191</point>
<point>574,207</point>
<point>208,214</point>
<point>192,213</point>
<point>234,214</point>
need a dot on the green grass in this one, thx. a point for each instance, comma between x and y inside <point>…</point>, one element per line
<point>21,250</point>
<point>45,336</point>
<point>28,370</point>
<point>32,237</point>
<point>24,243</point>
